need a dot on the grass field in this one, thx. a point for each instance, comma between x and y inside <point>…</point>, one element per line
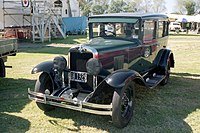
<point>174,108</point>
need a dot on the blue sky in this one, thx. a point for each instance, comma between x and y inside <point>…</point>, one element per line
<point>170,4</point>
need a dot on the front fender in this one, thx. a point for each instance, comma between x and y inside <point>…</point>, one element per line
<point>119,78</point>
<point>115,81</point>
<point>46,66</point>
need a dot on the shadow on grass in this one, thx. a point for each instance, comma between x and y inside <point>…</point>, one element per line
<point>43,49</point>
<point>186,74</point>
<point>69,39</point>
<point>183,34</point>
<point>29,47</point>
<point>13,98</point>
<point>48,50</point>
<point>163,109</point>
<point>13,124</point>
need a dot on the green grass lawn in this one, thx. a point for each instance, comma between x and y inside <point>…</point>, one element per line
<point>174,108</point>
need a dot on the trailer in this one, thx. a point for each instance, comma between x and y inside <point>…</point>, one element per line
<point>8,47</point>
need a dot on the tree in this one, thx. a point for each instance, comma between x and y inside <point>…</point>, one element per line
<point>130,7</point>
<point>82,3</point>
<point>98,9</point>
<point>159,6</point>
<point>69,7</point>
<point>198,5</point>
<point>190,7</point>
<point>146,6</point>
<point>117,6</point>
<point>86,9</point>
<point>89,7</point>
<point>187,6</point>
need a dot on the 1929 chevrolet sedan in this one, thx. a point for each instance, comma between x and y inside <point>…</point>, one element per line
<point>100,77</point>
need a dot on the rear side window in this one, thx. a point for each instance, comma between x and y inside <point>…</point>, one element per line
<point>149,30</point>
<point>166,28</point>
<point>160,29</point>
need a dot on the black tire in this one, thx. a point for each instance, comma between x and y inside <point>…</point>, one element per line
<point>44,82</point>
<point>167,74</point>
<point>2,68</point>
<point>123,103</point>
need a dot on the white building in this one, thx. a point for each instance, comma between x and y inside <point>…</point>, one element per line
<point>20,16</point>
<point>1,14</point>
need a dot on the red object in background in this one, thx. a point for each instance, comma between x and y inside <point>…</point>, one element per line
<point>20,35</point>
<point>10,33</point>
<point>25,3</point>
<point>18,32</point>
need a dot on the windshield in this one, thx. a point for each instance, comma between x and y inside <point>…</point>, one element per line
<point>115,30</point>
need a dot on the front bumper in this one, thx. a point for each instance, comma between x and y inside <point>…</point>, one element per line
<point>74,104</point>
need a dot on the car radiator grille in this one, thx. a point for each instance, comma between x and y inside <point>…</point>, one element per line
<point>78,63</point>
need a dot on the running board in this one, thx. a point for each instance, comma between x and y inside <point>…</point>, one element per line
<point>153,81</point>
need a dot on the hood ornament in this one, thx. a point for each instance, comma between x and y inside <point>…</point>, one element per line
<point>81,49</point>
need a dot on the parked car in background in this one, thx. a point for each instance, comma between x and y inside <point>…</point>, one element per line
<point>175,26</point>
<point>101,76</point>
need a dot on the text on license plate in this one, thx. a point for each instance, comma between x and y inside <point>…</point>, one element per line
<point>79,76</point>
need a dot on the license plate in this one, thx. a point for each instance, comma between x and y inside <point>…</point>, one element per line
<point>79,76</point>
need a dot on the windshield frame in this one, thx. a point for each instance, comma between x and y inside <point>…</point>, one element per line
<point>113,20</point>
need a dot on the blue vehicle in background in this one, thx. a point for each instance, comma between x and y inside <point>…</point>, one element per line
<point>74,25</point>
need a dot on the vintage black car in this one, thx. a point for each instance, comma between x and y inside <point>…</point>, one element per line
<point>100,77</point>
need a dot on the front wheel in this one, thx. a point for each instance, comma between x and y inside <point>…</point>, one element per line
<point>43,84</point>
<point>123,105</point>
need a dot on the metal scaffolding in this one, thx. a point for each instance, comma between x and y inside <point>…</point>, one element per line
<point>14,8</point>
<point>43,16</point>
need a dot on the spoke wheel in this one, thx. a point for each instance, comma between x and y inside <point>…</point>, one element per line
<point>123,105</point>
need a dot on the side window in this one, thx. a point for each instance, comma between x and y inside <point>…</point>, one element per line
<point>166,28</point>
<point>149,30</point>
<point>160,29</point>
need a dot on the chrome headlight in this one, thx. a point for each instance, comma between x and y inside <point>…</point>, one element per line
<point>93,66</point>
<point>59,63</point>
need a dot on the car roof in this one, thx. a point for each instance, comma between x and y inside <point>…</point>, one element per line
<point>131,15</point>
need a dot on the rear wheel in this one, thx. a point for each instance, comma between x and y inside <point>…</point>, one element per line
<point>2,68</point>
<point>43,84</point>
<point>167,74</point>
<point>123,105</point>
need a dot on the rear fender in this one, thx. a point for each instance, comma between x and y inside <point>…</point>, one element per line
<point>162,58</point>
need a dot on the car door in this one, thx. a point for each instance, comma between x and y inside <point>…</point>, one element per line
<point>150,44</point>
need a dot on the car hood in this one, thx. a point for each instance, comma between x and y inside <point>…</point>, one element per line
<point>104,44</point>
<point>101,44</point>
